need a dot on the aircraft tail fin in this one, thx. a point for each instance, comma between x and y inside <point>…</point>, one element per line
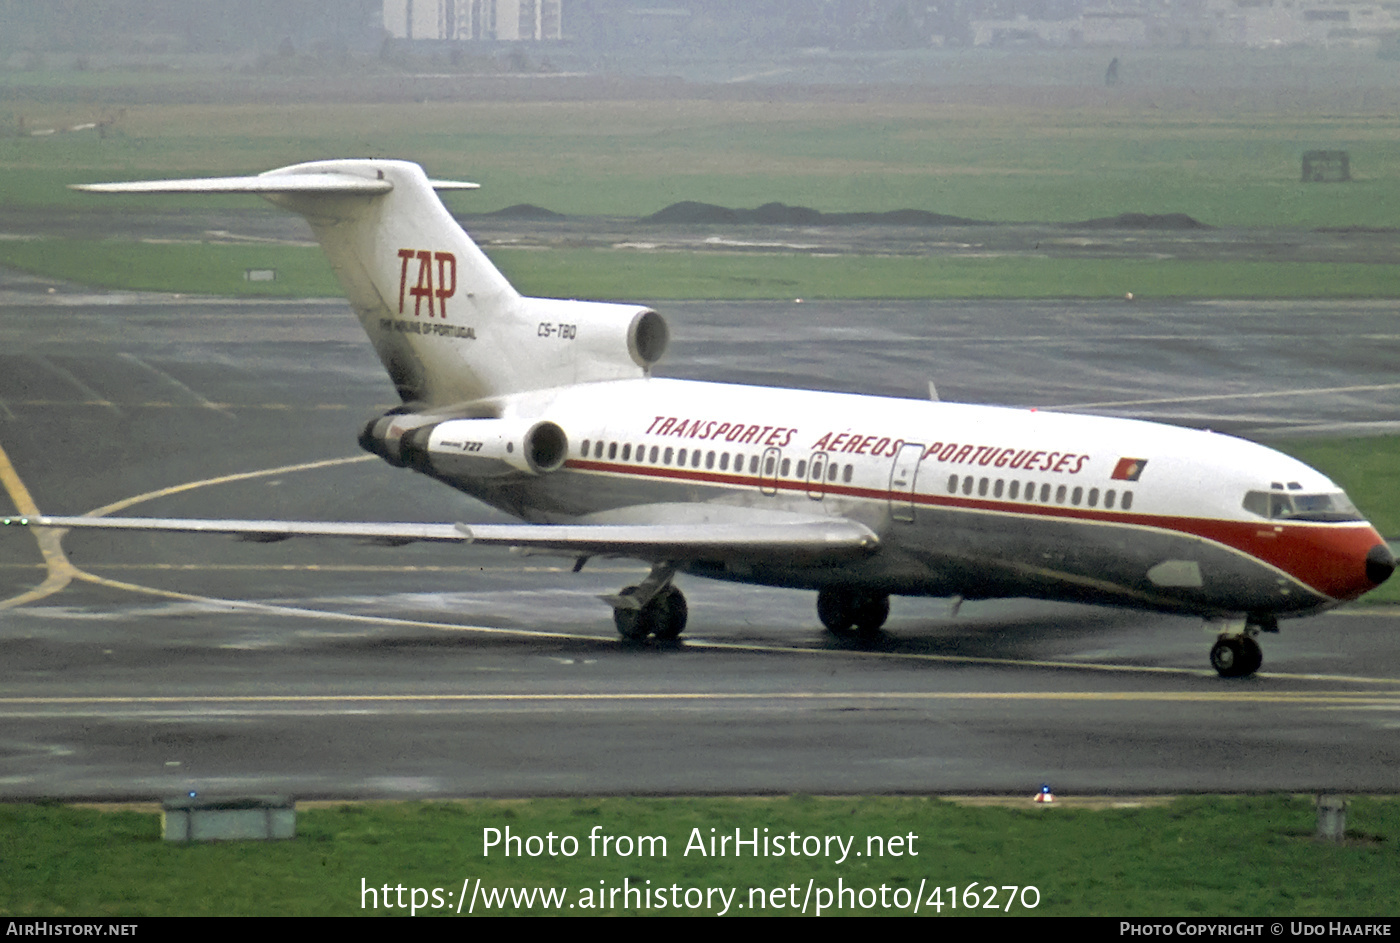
<point>447,325</point>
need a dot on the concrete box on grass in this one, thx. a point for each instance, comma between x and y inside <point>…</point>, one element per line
<point>247,818</point>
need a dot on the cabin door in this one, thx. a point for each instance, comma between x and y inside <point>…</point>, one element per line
<point>903,476</point>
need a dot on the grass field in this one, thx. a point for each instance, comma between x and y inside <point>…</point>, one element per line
<point>1225,162</point>
<point>1236,857</point>
<point>622,274</point>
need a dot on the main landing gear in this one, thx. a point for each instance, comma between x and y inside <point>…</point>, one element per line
<point>655,607</point>
<point>1237,654</point>
<point>852,612</point>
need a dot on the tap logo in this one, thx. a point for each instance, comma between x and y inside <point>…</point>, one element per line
<point>436,280</point>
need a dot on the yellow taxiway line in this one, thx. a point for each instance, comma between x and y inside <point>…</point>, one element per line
<point>60,572</point>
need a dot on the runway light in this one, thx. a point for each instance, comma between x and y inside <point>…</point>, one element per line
<point>192,793</point>
<point>1045,795</point>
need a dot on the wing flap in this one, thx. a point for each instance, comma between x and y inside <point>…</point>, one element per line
<point>833,538</point>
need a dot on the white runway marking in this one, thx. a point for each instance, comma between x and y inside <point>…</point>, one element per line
<point>167,378</point>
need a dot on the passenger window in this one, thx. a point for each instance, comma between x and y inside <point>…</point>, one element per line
<point>1045,493</point>
<point>1060,494</point>
<point>668,455</point>
<point>709,459</point>
<point>997,488</point>
<point>653,455</point>
<point>967,485</point>
<point>802,469</point>
<point>612,450</point>
<point>846,475</point>
<point>627,453</point>
<point>767,465</point>
<point>1108,498</point>
<point>598,449</point>
<point>1093,497</point>
<point>695,458</point>
<point>724,461</point>
<point>952,484</point>
<point>680,458</point>
<point>787,467</point>
<point>982,488</point>
<point>585,448</point>
<point>1014,490</point>
<point>753,465</point>
<point>1127,500</point>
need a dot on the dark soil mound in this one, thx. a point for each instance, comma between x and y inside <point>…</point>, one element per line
<point>1142,221</point>
<point>526,211</point>
<point>780,214</point>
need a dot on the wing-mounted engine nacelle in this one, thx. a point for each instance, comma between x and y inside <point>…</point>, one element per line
<point>486,448</point>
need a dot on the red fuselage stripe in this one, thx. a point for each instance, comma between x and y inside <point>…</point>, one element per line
<point>1323,556</point>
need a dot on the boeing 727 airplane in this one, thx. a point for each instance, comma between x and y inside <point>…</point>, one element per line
<point>547,409</point>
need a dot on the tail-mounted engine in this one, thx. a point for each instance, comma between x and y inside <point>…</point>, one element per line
<point>384,436</point>
<point>467,448</point>
<point>587,341</point>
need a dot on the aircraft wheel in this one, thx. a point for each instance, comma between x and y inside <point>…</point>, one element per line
<point>842,610</point>
<point>871,612</point>
<point>1253,656</point>
<point>835,609</point>
<point>1236,657</point>
<point>669,612</point>
<point>632,624</point>
<point>1225,656</point>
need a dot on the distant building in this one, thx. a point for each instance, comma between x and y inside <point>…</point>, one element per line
<point>1022,30</point>
<point>1112,26</point>
<point>461,20</point>
<point>1257,23</point>
<point>1265,23</point>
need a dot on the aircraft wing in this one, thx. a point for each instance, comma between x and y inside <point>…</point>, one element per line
<point>820,538</point>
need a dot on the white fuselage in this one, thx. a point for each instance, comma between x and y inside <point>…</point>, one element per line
<point>975,501</point>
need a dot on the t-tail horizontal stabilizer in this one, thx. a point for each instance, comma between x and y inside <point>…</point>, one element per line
<point>287,180</point>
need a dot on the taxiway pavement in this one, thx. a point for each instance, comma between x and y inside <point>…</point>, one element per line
<point>148,665</point>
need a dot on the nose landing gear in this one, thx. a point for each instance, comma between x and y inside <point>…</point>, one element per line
<point>1237,654</point>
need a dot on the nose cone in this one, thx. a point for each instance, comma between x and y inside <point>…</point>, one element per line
<point>1380,563</point>
<point>1340,563</point>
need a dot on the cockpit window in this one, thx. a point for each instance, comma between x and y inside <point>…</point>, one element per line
<point>1282,506</point>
